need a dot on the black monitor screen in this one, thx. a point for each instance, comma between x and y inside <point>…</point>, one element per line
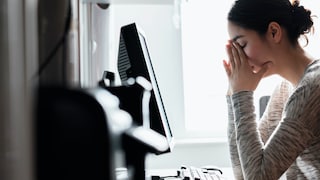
<point>134,61</point>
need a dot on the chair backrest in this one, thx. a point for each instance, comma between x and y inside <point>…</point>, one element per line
<point>263,102</point>
<point>73,140</point>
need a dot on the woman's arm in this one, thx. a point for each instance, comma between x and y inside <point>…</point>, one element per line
<point>233,150</point>
<point>273,112</point>
<point>290,138</point>
<point>267,124</point>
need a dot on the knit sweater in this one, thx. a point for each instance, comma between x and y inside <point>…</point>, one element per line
<point>285,142</point>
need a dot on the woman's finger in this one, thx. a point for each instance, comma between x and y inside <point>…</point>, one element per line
<point>230,55</point>
<point>241,54</point>
<point>227,67</point>
<point>236,56</point>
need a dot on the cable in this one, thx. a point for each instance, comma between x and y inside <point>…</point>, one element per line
<point>154,177</point>
<point>57,46</point>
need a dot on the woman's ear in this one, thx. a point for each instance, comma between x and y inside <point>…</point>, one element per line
<point>274,32</point>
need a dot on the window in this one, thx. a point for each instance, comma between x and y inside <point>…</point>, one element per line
<point>204,35</point>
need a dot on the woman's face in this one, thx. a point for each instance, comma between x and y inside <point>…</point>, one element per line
<point>253,44</point>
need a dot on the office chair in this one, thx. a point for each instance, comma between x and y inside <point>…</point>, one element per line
<point>74,140</point>
<point>263,102</point>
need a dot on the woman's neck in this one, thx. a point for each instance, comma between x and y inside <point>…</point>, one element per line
<point>294,63</point>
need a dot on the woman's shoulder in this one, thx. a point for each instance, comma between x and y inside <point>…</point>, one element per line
<point>313,67</point>
<point>311,77</point>
<point>308,88</point>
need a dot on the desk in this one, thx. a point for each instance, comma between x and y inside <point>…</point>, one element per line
<point>227,173</point>
<point>122,173</point>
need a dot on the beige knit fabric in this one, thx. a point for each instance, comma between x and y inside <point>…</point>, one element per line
<point>286,141</point>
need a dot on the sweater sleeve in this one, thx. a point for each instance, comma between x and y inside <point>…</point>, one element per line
<point>233,150</point>
<point>293,134</point>
<point>267,123</point>
<point>274,109</point>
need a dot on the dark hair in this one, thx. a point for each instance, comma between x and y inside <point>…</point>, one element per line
<point>257,14</point>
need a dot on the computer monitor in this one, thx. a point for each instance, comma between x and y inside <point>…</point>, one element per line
<point>133,61</point>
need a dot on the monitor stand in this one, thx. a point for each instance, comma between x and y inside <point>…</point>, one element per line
<point>137,142</point>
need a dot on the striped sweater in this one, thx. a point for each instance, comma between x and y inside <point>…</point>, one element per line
<point>285,143</point>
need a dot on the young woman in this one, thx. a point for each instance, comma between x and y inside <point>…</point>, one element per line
<point>286,141</point>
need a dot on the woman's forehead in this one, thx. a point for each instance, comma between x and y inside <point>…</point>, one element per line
<point>237,32</point>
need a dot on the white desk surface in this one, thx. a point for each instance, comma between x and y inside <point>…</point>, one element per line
<point>227,173</point>
<point>122,174</point>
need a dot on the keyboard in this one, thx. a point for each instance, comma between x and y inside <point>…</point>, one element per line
<point>195,173</point>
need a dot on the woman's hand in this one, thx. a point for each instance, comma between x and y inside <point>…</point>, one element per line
<point>240,74</point>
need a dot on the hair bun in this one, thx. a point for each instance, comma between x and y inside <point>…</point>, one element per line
<point>302,20</point>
